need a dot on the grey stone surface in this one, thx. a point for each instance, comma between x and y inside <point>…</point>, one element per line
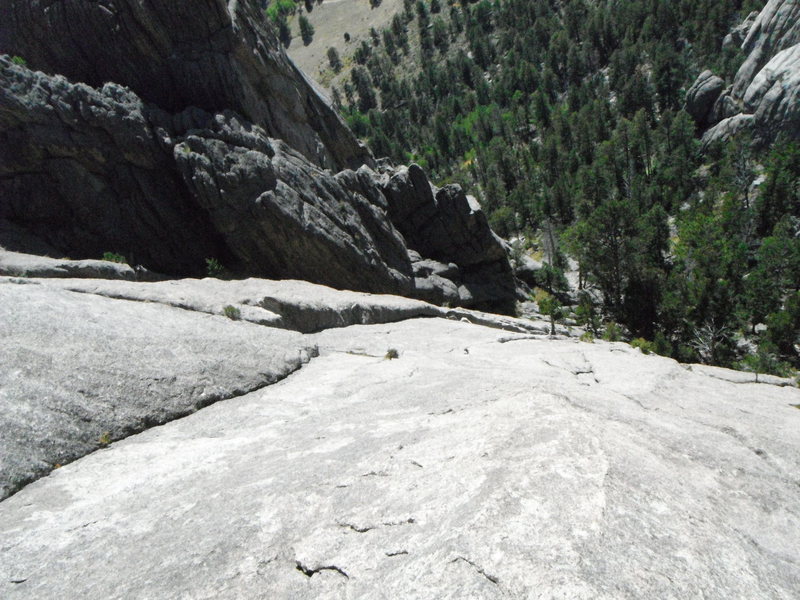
<point>296,305</point>
<point>288,304</point>
<point>763,99</point>
<point>147,353</point>
<point>212,54</point>
<point>776,28</point>
<point>31,265</point>
<point>476,465</point>
<point>87,171</point>
<point>283,217</point>
<point>83,170</point>
<point>728,128</point>
<point>702,95</point>
<point>526,269</point>
<point>774,94</point>
<point>449,226</point>
<point>738,34</point>
<point>81,369</point>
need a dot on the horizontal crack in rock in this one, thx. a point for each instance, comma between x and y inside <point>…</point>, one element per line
<point>356,528</point>
<point>308,572</point>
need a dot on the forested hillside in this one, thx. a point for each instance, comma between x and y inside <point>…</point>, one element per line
<point>565,119</point>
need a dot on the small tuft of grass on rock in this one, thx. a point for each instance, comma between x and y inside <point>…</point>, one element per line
<point>105,439</point>
<point>233,313</point>
<point>114,257</point>
<point>391,353</point>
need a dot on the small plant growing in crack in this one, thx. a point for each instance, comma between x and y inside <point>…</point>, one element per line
<point>391,353</point>
<point>114,257</point>
<point>105,439</point>
<point>233,313</point>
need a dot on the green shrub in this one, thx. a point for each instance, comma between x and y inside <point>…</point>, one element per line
<point>233,313</point>
<point>391,353</point>
<point>113,257</point>
<point>661,345</point>
<point>214,268</point>
<point>613,332</point>
<point>587,337</point>
<point>280,8</point>
<point>646,346</point>
<point>766,360</point>
<point>550,306</point>
<point>18,60</point>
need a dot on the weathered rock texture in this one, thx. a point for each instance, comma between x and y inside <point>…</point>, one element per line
<point>479,464</point>
<point>763,97</point>
<point>212,54</point>
<point>702,95</point>
<point>90,359</point>
<point>776,28</point>
<point>217,148</point>
<point>28,265</point>
<point>79,370</point>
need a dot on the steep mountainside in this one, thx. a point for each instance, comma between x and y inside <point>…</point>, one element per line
<point>218,149</point>
<point>648,150</point>
<point>251,438</point>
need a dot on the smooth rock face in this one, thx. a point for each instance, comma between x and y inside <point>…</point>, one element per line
<point>774,94</point>
<point>727,128</point>
<point>86,360</point>
<point>28,265</point>
<point>79,369</point>
<point>776,28</point>
<point>763,99</point>
<point>476,465</point>
<point>212,54</point>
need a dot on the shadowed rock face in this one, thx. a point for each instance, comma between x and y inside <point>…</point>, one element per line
<point>202,53</point>
<point>84,170</point>
<point>702,95</point>
<point>218,147</point>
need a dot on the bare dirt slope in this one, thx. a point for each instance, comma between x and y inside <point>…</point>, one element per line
<point>331,20</point>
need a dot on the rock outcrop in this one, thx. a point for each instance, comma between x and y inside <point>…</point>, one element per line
<point>763,97</point>
<point>773,97</point>
<point>478,464</point>
<point>776,28</point>
<point>210,54</point>
<point>85,171</point>
<point>738,34</point>
<point>702,95</point>
<point>218,147</point>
